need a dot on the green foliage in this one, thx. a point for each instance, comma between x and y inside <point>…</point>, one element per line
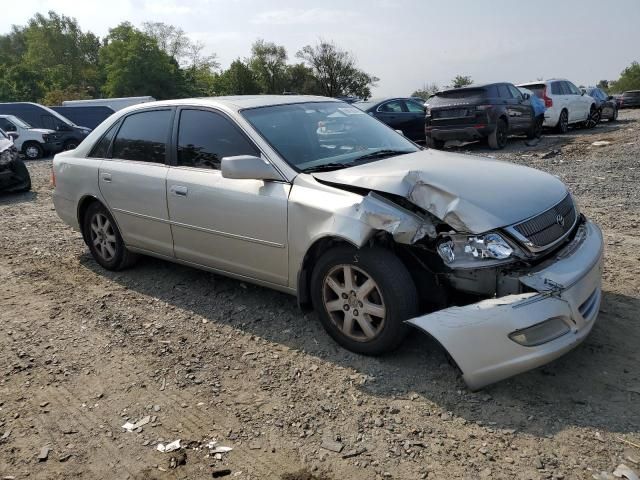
<point>461,81</point>
<point>629,79</point>
<point>603,84</point>
<point>336,72</point>
<point>51,59</point>
<point>134,64</point>
<point>426,91</point>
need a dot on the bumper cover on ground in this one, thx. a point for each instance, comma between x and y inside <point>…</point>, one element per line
<point>476,336</point>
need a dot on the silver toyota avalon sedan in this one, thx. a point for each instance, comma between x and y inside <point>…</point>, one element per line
<point>313,197</point>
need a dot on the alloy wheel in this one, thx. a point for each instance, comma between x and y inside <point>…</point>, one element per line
<point>354,302</point>
<point>593,119</point>
<point>564,122</point>
<point>32,152</point>
<point>103,236</point>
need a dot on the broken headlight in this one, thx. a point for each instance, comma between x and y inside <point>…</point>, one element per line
<point>473,251</point>
<point>540,333</point>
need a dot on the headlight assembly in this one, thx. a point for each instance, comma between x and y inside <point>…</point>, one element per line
<point>473,251</point>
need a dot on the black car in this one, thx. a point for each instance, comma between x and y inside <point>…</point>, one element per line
<point>405,114</point>
<point>606,104</point>
<point>492,111</point>
<point>89,116</point>
<point>631,99</point>
<point>14,176</point>
<point>39,116</point>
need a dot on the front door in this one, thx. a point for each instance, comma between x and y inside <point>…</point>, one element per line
<point>238,226</point>
<point>133,180</point>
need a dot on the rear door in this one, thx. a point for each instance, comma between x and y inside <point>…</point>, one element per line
<point>413,127</point>
<point>392,113</point>
<point>133,180</point>
<point>560,98</point>
<point>238,226</point>
<point>524,109</point>
<point>577,103</point>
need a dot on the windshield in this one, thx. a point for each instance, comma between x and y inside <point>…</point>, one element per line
<point>310,136</point>
<point>19,122</point>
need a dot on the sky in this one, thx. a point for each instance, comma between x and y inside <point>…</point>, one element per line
<point>406,43</point>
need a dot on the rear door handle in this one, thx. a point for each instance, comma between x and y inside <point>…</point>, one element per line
<point>106,177</point>
<point>179,190</point>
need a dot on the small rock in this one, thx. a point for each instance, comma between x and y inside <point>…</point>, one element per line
<point>631,456</point>
<point>378,422</point>
<point>220,473</point>
<point>508,459</point>
<point>331,445</point>
<point>44,454</point>
<point>44,404</point>
<point>354,453</point>
<point>65,457</point>
<point>537,463</point>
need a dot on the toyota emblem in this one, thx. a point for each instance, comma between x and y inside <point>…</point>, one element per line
<point>560,220</point>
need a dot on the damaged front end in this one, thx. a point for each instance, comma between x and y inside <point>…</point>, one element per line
<point>14,176</point>
<point>538,313</point>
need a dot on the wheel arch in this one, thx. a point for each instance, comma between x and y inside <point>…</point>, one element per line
<point>311,256</point>
<point>83,206</point>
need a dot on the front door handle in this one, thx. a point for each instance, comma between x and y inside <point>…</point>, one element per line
<point>106,177</point>
<point>179,190</point>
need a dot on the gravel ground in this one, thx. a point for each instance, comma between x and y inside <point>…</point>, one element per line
<point>202,358</point>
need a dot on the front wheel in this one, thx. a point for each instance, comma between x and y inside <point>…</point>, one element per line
<point>70,145</point>
<point>363,298</point>
<point>32,150</point>
<point>615,115</point>
<point>498,138</point>
<point>104,239</point>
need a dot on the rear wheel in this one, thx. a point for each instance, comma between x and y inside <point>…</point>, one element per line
<point>498,138</point>
<point>614,117</point>
<point>433,143</point>
<point>32,150</point>
<point>593,119</point>
<point>563,122</point>
<point>104,239</point>
<point>70,145</point>
<point>363,298</point>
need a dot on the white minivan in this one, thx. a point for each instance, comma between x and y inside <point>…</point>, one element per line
<point>32,142</point>
<point>565,104</point>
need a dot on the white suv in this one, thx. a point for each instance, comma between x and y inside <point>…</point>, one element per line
<point>32,142</point>
<point>565,104</point>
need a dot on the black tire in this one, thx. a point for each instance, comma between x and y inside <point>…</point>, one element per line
<point>614,118</point>
<point>32,150</point>
<point>536,129</point>
<point>396,287</point>
<point>563,122</point>
<point>435,144</point>
<point>498,138</point>
<point>593,119</point>
<point>71,144</point>
<point>122,258</point>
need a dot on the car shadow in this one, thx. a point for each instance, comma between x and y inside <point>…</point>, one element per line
<point>574,391</point>
<point>10,198</point>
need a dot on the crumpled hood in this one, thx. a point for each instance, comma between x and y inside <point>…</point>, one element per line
<point>470,193</point>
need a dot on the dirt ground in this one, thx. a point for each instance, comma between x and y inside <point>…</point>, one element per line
<point>204,358</point>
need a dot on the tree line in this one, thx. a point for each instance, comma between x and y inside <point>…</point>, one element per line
<point>52,59</point>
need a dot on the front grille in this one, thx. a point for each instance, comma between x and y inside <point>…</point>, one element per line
<point>550,226</point>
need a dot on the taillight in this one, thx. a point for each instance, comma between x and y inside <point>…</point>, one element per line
<point>548,103</point>
<point>53,178</point>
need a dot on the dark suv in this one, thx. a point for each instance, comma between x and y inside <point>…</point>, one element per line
<point>492,111</point>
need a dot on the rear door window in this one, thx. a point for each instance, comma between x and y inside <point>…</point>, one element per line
<point>391,107</point>
<point>414,107</point>
<point>556,88</point>
<point>573,90</point>
<point>101,149</point>
<point>143,137</point>
<point>503,91</point>
<point>205,138</point>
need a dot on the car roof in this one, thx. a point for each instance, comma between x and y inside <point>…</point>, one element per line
<point>236,102</point>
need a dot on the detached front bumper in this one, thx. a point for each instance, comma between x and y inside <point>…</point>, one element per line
<point>477,335</point>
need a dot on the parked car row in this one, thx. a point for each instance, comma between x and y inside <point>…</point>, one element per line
<point>494,111</point>
<point>40,129</point>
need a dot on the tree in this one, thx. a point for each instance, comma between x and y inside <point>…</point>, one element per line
<point>629,79</point>
<point>300,79</point>
<point>461,81</point>
<point>426,91</point>
<point>268,62</point>
<point>238,79</point>
<point>336,71</point>
<point>135,65</point>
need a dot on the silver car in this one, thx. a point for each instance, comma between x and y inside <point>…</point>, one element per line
<point>313,197</point>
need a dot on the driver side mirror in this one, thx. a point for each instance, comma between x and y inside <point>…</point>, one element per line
<point>248,167</point>
<point>13,135</point>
